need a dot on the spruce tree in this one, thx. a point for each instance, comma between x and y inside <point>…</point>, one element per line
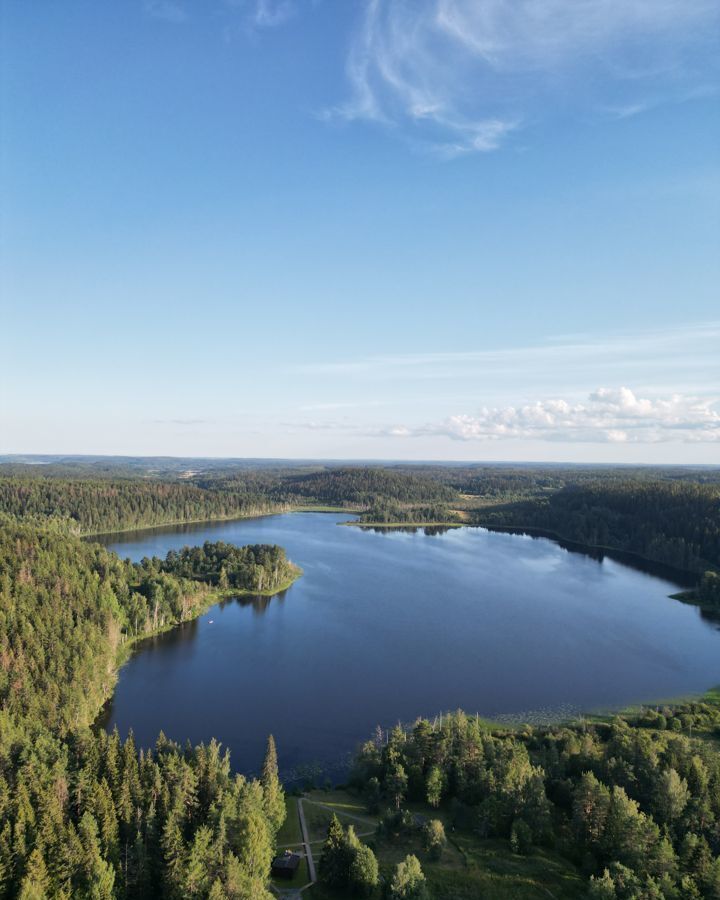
<point>333,865</point>
<point>36,883</point>
<point>273,794</point>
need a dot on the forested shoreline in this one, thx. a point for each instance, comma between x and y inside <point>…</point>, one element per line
<point>99,507</point>
<point>666,516</point>
<point>83,814</point>
<point>677,524</point>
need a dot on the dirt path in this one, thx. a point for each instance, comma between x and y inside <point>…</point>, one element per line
<point>306,842</point>
<point>341,812</point>
<point>296,893</point>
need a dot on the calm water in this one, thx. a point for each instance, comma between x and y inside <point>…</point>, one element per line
<point>389,626</point>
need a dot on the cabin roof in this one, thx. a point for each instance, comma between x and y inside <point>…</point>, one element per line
<point>286,861</point>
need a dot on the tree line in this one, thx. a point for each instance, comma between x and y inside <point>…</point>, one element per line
<point>92,507</point>
<point>676,523</point>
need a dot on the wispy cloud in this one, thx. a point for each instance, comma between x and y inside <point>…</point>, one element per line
<point>459,76</point>
<point>682,352</point>
<point>167,11</point>
<point>272,13</point>
<point>606,416</point>
<point>245,16</point>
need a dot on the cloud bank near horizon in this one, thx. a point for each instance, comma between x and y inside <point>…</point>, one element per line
<point>607,416</point>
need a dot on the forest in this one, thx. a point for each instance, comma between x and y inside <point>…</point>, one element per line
<point>633,802</point>
<point>94,506</point>
<point>83,814</point>
<point>676,523</point>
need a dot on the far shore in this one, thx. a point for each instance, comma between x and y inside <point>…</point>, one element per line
<point>280,511</point>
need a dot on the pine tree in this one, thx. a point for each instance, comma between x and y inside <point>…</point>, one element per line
<point>254,841</point>
<point>273,794</point>
<point>396,783</point>
<point>602,887</point>
<point>217,892</point>
<point>333,865</point>
<point>6,859</point>
<point>196,876</point>
<point>36,883</point>
<point>173,849</point>
<point>99,875</point>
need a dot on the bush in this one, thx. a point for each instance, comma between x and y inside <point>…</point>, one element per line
<point>434,839</point>
<point>408,881</point>
<point>520,837</point>
<point>363,873</point>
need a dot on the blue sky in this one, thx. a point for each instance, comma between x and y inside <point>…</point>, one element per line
<point>438,229</point>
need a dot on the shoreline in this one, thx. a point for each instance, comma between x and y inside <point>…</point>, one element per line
<point>407,524</point>
<point>213,597</point>
<point>286,510</point>
<point>533,531</point>
<point>690,598</point>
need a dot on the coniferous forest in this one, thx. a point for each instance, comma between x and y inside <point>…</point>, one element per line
<point>84,814</point>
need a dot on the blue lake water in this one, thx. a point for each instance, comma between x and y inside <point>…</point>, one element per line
<point>385,626</point>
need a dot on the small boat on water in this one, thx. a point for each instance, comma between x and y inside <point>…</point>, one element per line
<point>211,621</point>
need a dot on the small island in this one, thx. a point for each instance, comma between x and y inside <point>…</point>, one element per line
<point>258,569</point>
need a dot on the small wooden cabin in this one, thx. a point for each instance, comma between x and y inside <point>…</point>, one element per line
<point>286,865</point>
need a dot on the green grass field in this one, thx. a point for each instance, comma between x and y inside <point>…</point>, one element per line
<point>319,807</point>
<point>469,869</point>
<point>290,838</point>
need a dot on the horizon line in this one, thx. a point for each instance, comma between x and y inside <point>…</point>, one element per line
<point>6,458</point>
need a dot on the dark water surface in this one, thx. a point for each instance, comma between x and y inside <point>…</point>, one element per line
<point>387,626</point>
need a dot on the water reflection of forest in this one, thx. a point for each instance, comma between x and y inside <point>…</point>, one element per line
<point>258,602</point>
<point>429,530</point>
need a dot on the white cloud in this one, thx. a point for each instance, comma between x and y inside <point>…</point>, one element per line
<point>463,74</point>
<point>606,416</point>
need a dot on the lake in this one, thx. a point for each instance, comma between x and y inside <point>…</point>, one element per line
<point>385,626</point>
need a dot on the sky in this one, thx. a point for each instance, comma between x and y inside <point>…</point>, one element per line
<point>381,229</point>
